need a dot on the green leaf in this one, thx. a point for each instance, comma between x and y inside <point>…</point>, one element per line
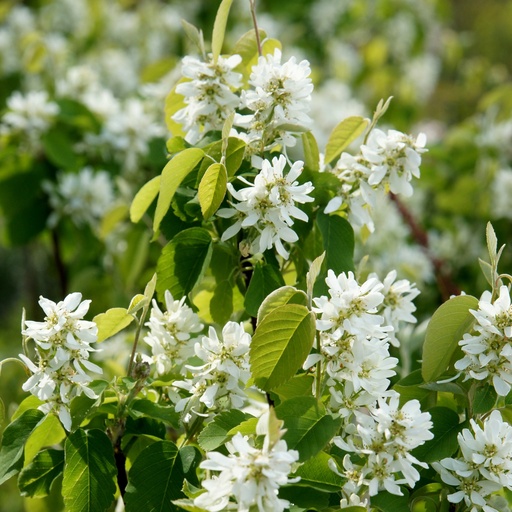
<point>59,148</point>
<point>172,175</point>
<point>165,413</point>
<point>247,46</point>
<point>298,386</point>
<point>137,303</point>
<point>194,34</point>
<point>221,304</point>
<point>308,427</point>
<point>212,189</point>
<point>445,429</point>
<point>13,442</point>
<point>484,399</point>
<point>183,262</point>
<point>82,404</point>
<point>143,199</point>
<point>157,475</point>
<point>280,297</point>
<point>338,242</point>
<point>313,274</point>
<point>388,502</point>
<point>89,471</point>
<point>343,135</point>
<point>316,473</point>
<point>31,402</point>
<point>444,331</point>
<point>311,153</point>
<point>219,28</point>
<point>49,432</point>
<point>37,477</point>
<point>280,345</point>
<point>265,279</point>
<point>306,498</point>
<point>111,322</point>
<point>216,433</point>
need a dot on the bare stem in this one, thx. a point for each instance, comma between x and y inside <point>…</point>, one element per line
<point>255,23</point>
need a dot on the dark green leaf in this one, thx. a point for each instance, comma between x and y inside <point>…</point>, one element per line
<point>157,475</point>
<point>165,413</point>
<point>298,386</point>
<point>316,473</point>
<point>445,429</point>
<point>387,502</point>
<point>37,477</point>
<point>183,262</point>
<point>265,279</point>
<point>308,427</point>
<point>484,399</point>
<point>306,498</point>
<point>215,433</point>
<point>89,472</point>
<point>13,442</point>
<point>59,148</point>
<point>221,304</point>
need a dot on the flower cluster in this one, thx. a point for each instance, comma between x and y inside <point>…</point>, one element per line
<point>387,162</point>
<point>170,334</point>
<point>250,475</point>
<point>209,95</point>
<point>280,101</point>
<point>485,466</point>
<point>268,206</point>
<point>63,346</point>
<point>83,197</point>
<point>383,439</point>
<point>487,352</point>
<point>220,382</point>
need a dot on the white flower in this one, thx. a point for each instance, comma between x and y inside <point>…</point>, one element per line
<point>170,333</point>
<point>209,95</point>
<point>249,475</point>
<point>394,158</point>
<point>83,197</point>
<point>224,374</point>
<point>268,206</point>
<point>280,101</point>
<point>62,348</point>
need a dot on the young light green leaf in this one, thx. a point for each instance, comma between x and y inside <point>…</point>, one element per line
<point>137,302</point>
<point>149,290</point>
<point>13,442</point>
<point>492,242</point>
<point>298,386</point>
<point>183,262</point>
<point>216,433</point>
<point>265,279</point>
<point>226,129</point>
<point>280,345</point>
<point>143,199</point>
<point>445,428</point>
<point>445,330</point>
<point>36,478</point>
<point>312,275</point>
<point>311,153</point>
<point>111,322</point>
<point>247,47</point>
<point>156,477</point>
<point>219,28</point>
<point>173,103</point>
<point>308,427</point>
<point>194,34</point>
<point>172,175</point>
<point>343,135</point>
<point>487,271</point>
<point>212,189</point>
<point>89,471</point>
<point>49,432</point>
<point>280,297</point>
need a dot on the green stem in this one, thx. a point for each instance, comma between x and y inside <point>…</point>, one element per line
<point>255,23</point>
<point>134,349</point>
<point>318,391</point>
<point>13,360</point>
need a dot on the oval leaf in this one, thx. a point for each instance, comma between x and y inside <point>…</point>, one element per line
<point>265,279</point>
<point>172,175</point>
<point>444,331</point>
<point>311,153</point>
<point>280,345</point>
<point>37,477</point>
<point>280,297</point>
<point>216,432</point>
<point>317,474</point>
<point>212,189</point>
<point>308,427</point>
<point>183,262</point>
<point>157,475</point>
<point>343,134</point>
<point>143,199</point>
<point>89,472</point>
<point>111,322</point>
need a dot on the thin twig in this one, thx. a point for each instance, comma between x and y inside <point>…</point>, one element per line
<point>255,23</point>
